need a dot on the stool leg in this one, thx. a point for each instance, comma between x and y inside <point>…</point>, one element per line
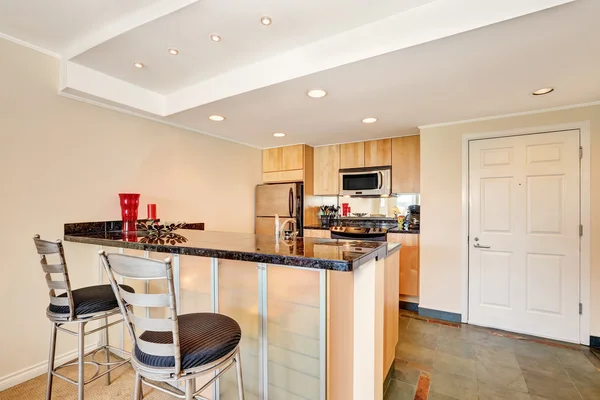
<point>138,394</point>
<point>190,388</point>
<point>107,351</point>
<point>51,361</point>
<point>238,368</point>
<point>80,364</point>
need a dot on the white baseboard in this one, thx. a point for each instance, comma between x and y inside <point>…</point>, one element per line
<point>36,370</point>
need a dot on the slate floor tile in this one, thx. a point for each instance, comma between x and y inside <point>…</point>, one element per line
<point>502,356</point>
<point>406,373</point>
<point>456,348</point>
<point>547,368</point>
<point>491,392</point>
<point>574,358</point>
<point>453,386</point>
<point>494,374</point>
<point>414,353</point>
<point>400,391</point>
<point>437,396</point>
<point>535,350</point>
<point>551,389</point>
<point>455,365</point>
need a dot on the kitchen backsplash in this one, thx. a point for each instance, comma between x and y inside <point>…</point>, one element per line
<point>370,206</point>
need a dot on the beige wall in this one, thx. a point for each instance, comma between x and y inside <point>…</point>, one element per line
<point>63,161</point>
<point>441,187</point>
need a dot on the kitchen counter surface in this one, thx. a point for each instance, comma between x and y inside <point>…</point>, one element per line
<point>392,230</point>
<point>397,230</point>
<point>331,254</point>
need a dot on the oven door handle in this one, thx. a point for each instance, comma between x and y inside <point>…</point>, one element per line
<point>380,180</point>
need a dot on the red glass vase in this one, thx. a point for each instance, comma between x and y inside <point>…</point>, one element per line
<point>129,210</point>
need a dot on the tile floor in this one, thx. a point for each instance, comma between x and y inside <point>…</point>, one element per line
<point>436,360</point>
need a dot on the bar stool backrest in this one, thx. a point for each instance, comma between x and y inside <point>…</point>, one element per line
<point>140,268</point>
<point>57,271</point>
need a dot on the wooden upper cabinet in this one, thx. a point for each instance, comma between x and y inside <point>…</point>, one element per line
<point>352,155</point>
<point>293,157</point>
<point>327,166</point>
<point>272,159</point>
<point>406,164</point>
<point>378,153</point>
<point>283,158</point>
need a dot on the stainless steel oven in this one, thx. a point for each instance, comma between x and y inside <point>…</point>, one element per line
<point>375,181</point>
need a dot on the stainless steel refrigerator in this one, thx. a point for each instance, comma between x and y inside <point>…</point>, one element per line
<point>284,199</point>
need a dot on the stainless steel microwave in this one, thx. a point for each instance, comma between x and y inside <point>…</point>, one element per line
<point>374,181</point>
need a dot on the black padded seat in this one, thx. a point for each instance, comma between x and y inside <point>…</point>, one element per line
<point>203,338</point>
<point>91,299</point>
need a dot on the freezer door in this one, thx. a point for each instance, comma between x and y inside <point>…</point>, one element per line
<point>276,199</point>
<point>265,226</point>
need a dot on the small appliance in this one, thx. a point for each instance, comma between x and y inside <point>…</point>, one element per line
<point>359,233</point>
<point>366,182</point>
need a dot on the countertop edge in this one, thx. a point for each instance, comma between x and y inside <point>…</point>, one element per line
<point>285,260</point>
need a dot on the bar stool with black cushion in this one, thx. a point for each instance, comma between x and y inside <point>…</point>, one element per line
<point>77,307</point>
<point>177,348</point>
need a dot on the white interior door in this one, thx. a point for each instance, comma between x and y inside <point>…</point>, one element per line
<point>525,214</point>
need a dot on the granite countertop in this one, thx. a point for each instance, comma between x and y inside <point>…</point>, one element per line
<point>392,230</point>
<point>332,254</point>
<point>398,230</point>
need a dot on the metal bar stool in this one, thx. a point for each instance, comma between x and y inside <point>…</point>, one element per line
<point>77,307</point>
<point>178,348</point>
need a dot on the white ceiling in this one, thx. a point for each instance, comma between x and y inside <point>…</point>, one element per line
<point>244,39</point>
<point>55,25</point>
<point>407,62</point>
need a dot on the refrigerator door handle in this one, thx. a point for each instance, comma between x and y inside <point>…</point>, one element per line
<point>291,203</point>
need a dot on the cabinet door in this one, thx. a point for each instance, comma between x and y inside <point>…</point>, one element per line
<point>406,164</point>
<point>327,166</point>
<point>317,233</point>
<point>352,155</point>
<point>292,157</point>
<point>378,152</point>
<point>409,262</point>
<point>272,159</point>
<point>390,311</point>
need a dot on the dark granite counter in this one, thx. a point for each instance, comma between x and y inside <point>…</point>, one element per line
<point>332,254</point>
<point>397,230</point>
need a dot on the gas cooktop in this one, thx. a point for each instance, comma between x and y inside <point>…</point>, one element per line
<point>358,231</point>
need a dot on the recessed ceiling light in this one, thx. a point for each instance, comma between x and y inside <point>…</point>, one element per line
<point>317,93</point>
<point>266,20</point>
<point>138,65</point>
<point>215,38</point>
<point>543,91</point>
<point>216,118</point>
<point>173,51</point>
<point>369,120</point>
<point>279,134</point>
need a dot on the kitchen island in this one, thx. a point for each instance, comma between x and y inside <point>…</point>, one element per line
<point>314,316</point>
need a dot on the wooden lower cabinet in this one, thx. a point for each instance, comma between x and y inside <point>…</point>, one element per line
<point>409,262</point>
<point>317,233</point>
<point>390,310</point>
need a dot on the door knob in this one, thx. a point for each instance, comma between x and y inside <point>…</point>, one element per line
<point>479,246</point>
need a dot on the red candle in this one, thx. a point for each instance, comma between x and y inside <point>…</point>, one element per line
<point>151,211</point>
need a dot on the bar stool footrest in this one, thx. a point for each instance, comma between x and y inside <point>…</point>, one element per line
<point>97,375</point>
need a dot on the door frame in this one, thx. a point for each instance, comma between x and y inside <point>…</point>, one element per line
<point>585,214</point>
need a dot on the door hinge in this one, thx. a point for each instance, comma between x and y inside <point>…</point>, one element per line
<point>580,309</point>
<point>580,230</point>
<point>580,152</point>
